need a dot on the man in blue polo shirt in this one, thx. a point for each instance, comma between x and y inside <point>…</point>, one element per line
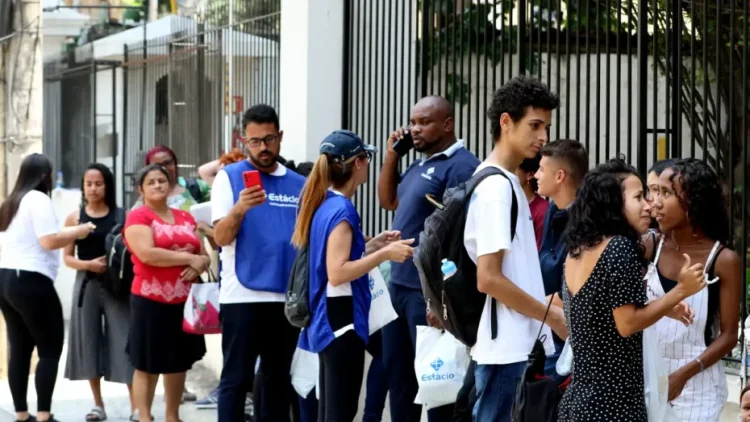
<point>254,228</point>
<point>444,163</point>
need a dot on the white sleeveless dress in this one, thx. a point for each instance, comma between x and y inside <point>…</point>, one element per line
<point>704,395</point>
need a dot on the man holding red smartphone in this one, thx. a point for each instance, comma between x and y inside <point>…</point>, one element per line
<point>254,204</point>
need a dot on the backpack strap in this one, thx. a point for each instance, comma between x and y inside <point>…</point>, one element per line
<point>120,216</point>
<point>470,186</point>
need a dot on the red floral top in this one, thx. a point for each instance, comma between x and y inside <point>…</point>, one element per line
<point>163,284</point>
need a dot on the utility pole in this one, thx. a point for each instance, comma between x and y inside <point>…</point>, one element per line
<point>23,71</point>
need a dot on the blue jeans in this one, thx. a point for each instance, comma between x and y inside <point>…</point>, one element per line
<point>496,390</point>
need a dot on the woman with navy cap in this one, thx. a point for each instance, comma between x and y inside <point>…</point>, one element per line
<point>340,261</point>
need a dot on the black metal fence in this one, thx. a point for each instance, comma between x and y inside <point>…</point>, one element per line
<point>189,90</point>
<point>649,80</point>
<point>79,128</point>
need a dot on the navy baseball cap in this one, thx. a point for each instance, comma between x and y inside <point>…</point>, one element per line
<point>342,145</point>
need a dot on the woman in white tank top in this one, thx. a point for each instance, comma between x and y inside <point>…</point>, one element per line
<point>693,221</point>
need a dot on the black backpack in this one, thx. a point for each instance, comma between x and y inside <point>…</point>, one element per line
<point>119,277</point>
<point>192,186</point>
<point>297,304</point>
<point>456,301</point>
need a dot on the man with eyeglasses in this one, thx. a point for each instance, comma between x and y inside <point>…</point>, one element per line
<point>442,162</point>
<point>254,228</point>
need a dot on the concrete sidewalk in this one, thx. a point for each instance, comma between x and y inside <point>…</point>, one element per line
<point>72,399</point>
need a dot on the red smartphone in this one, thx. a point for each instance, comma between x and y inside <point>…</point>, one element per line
<point>252,178</point>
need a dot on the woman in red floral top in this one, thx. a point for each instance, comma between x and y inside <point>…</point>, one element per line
<point>167,258</point>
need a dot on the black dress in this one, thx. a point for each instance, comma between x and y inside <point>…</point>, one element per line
<point>607,382</point>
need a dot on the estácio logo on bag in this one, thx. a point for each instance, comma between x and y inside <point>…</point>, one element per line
<point>437,376</point>
<point>375,294</point>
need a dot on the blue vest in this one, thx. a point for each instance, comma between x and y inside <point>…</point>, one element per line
<point>263,250</point>
<point>318,335</point>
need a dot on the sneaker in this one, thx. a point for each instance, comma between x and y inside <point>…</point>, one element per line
<point>211,401</point>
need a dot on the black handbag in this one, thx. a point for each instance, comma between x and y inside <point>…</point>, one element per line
<point>537,395</point>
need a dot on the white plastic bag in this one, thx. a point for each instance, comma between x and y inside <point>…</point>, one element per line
<point>305,367</point>
<point>656,380</point>
<point>201,311</point>
<point>381,308</point>
<point>564,365</point>
<point>440,363</point>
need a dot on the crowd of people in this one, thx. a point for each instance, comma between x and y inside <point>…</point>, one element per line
<point>612,253</point>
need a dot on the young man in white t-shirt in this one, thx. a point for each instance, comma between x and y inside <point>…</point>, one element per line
<point>508,270</point>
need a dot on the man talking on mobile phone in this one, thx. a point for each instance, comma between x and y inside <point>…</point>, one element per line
<point>254,216</point>
<point>442,162</point>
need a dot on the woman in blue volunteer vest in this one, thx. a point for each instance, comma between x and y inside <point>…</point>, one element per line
<point>340,261</point>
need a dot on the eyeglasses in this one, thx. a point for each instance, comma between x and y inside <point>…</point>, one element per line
<point>255,142</point>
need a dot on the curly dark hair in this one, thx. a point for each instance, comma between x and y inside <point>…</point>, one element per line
<point>515,97</point>
<point>597,211</point>
<point>702,197</point>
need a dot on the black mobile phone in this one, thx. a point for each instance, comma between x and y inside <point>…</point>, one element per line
<point>403,145</point>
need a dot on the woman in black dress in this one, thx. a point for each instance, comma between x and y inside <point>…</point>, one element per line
<point>604,296</point>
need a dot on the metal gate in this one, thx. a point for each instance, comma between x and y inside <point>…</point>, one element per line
<point>178,90</point>
<point>79,119</point>
<point>650,80</point>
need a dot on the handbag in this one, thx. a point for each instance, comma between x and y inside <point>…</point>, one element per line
<point>201,311</point>
<point>537,394</point>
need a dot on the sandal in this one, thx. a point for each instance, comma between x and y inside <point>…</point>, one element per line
<point>96,414</point>
<point>136,417</point>
<point>29,419</point>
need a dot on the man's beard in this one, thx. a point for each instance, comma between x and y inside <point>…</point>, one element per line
<point>258,163</point>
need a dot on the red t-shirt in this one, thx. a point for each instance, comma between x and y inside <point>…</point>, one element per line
<point>538,207</point>
<point>163,284</point>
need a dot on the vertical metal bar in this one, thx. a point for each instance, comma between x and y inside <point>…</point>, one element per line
<point>719,133</point>
<point>346,75</point>
<point>597,124</point>
<point>494,47</point>
<point>578,75</point>
<point>521,37</point>
<point>588,80</point>
<point>668,76</point>
<point>618,78</point>
<point>693,76</point>
<point>92,80</point>
<point>458,79</point>
<point>511,43</point>
<point>424,51</point>
<point>655,100</point>
<point>642,85</point>
<point>430,14</point>
<point>170,98</point>
<point>478,140</point>
<point>558,57</point>
<point>630,80</point>
<point>488,28</point>
<point>677,80</point>
<point>115,137</point>
<point>230,79</point>
<point>125,119</point>
<point>706,87</point>
<point>607,135</point>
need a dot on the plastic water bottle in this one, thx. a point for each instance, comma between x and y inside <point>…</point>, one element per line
<point>448,269</point>
<point>59,182</point>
